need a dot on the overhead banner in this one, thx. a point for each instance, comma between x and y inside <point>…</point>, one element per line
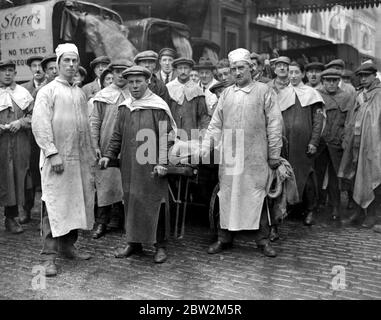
<point>26,31</point>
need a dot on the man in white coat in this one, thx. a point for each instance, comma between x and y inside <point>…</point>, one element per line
<point>247,124</point>
<point>61,128</point>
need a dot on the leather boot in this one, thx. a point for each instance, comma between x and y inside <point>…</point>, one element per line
<point>160,255</point>
<point>99,231</point>
<point>11,225</point>
<point>309,220</point>
<point>370,219</point>
<point>128,250</point>
<point>50,268</point>
<point>268,250</point>
<point>24,217</point>
<point>74,253</point>
<point>377,228</point>
<point>335,214</point>
<point>354,218</point>
<point>274,235</point>
<point>218,246</point>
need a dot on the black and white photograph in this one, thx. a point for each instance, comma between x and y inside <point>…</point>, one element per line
<point>190,155</point>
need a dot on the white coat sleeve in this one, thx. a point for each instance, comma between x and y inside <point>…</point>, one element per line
<point>42,123</point>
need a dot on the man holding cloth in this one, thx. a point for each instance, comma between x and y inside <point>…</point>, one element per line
<point>61,128</point>
<point>248,124</point>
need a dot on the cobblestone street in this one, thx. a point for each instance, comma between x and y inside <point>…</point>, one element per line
<point>308,260</point>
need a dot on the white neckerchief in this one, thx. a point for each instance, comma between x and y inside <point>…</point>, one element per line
<point>14,94</point>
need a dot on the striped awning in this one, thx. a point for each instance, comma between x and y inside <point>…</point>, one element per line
<point>272,7</point>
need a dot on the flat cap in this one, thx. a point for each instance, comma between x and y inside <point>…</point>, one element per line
<point>254,55</point>
<point>331,73</point>
<point>47,59</point>
<point>283,59</point>
<point>82,71</point>
<point>7,63</point>
<point>367,68</point>
<point>136,71</point>
<point>347,74</point>
<point>146,55</point>
<point>336,62</point>
<point>314,66</point>
<point>205,64</point>
<point>168,52</point>
<point>100,59</point>
<point>220,85</point>
<point>120,64</point>
<point>33,58</point>
<point>187,61</point>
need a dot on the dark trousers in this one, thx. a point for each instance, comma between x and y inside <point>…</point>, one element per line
<point>29,199</point>
<point>310,194</point>
<point>323,161</point>
<point>374,208</point>
<point>161,240</point>
<point>261,236</point>
<point>105,213</point>
<point>52,246</point>
<point>11,212</point>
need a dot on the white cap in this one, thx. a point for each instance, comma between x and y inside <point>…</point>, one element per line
<point>66,48</point>
<point>239,54</point>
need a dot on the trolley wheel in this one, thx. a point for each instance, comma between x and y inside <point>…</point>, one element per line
<point>214,209</point>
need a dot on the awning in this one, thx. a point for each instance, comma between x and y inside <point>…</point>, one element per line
<point>272,7</point>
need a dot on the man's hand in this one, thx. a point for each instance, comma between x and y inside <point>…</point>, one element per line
<point>2,128</point>
<point>311,149</point>
<point>160,170</point>
<point>98,153</point>
<point>57,163</point>
<point>103,162</point>
<point>15,126</point>
<point>274,163</point>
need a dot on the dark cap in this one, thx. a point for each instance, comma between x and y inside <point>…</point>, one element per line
<point>331,73</point>
<point>220,85</point>
<point>136,71</point>
<point>7,63</point>
<point>347,74</point>
<point>47,59</point>
<point>187,61</point>
<point>33,58</point>
<point>367,68</point>
<point>146,55</point>
<point>120,64</point>
<point>205,64</point>
<point>254,55</point>
<point>98,60</point>
<point>336,62</point>
<point>82,71</point>
<point>283,59</point>
<point>168,52</point>
<point>315,66</point>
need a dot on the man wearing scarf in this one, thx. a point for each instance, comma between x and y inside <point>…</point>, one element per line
<point>361,161</point>
<point>301,108</point>
<point>247,125</point>
<point>108,183</point>
<point>187,105</point>
<point>329,153</point>
<point>16,105</point>
<point>141,116</point>
<point>61,127</point>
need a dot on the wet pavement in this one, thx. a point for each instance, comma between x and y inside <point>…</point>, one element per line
<point>325,261</point>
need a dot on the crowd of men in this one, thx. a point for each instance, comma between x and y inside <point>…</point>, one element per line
<point>62,137</point>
